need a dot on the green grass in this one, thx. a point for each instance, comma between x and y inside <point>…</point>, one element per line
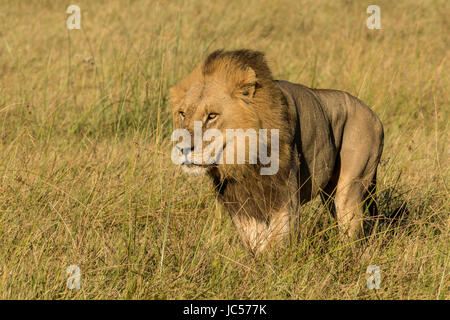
<point>85,170</point>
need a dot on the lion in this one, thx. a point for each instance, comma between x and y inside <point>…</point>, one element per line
<point>329,144</point>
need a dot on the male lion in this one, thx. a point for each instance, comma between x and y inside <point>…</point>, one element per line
<point>330,143</point>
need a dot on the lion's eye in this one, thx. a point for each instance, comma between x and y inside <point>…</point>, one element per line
<point>212,116</point>
<point>181,114</point>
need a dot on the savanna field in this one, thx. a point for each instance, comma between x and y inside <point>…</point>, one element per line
<point>86,177</point>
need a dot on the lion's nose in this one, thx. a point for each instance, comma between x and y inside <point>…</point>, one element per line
<point>185,150</point>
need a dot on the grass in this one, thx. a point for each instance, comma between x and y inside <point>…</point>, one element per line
<point>85,170</point>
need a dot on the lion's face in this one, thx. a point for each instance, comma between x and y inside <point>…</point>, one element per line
<point>233,113</point>
<point>211,107</point>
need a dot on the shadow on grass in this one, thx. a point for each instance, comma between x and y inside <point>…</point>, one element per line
<point>392,213</point>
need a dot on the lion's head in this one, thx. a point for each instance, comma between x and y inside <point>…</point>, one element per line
<point>228,90</point>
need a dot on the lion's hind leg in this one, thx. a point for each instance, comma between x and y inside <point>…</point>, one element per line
<point>354,190</point>
<point>359,156</point>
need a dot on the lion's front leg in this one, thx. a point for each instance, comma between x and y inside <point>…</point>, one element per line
<point>257,234</point>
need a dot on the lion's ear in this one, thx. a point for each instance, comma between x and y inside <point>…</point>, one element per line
<point>247,86</point>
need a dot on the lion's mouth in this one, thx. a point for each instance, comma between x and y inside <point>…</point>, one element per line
<point>209,162</point>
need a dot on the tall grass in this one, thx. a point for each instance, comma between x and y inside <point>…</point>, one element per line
<point>85,170</point>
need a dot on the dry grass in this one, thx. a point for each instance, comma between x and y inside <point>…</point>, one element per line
<point>85,171</point>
